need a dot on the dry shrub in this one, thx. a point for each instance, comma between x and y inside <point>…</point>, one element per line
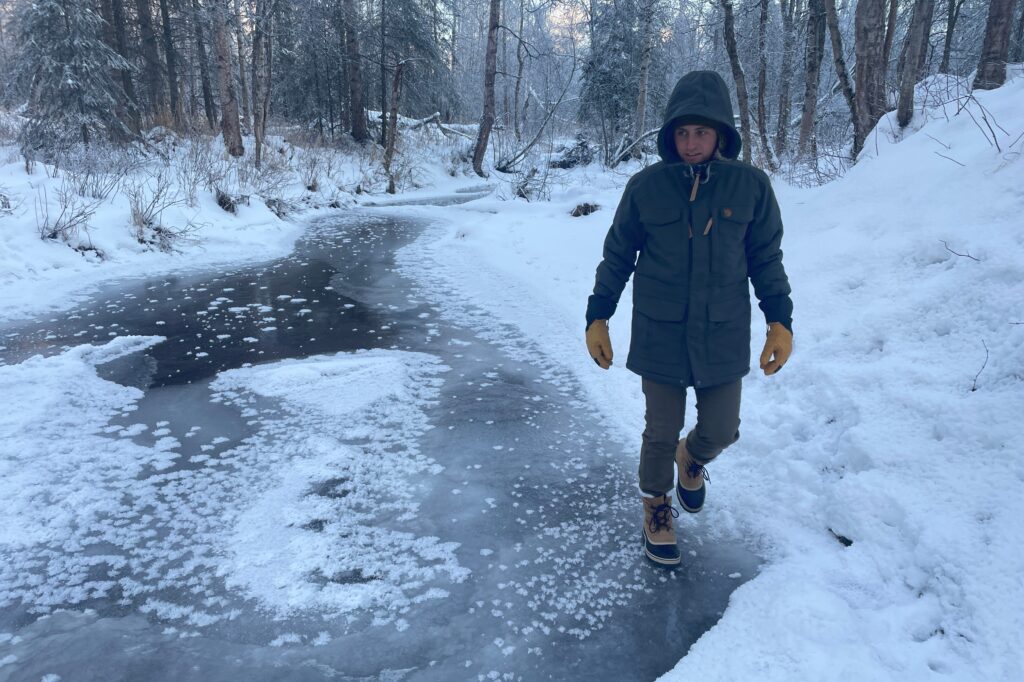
<point>97,171</point>
<point>149,196</point>
<point>71,221</point>
<point>197,165</point>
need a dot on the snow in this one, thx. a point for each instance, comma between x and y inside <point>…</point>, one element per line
<point>290,520</point>
<point>38,274</point>
<point>372,395</point>
<point>892,426</point>
<point>56,465</point>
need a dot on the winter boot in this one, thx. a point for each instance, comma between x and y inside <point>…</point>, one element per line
<point>659,535</point>
<point>690,500</point>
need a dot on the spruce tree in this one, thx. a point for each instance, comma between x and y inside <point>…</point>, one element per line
<point>67,72</point>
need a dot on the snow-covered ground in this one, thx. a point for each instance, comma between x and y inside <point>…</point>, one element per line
<point>893,427</point>
<point>183,228</point>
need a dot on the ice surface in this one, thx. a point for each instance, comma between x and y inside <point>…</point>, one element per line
<point>350,513</point>
<point>69,490</point>
<point>312,541</point>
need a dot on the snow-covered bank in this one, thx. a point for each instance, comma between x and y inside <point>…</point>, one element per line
<point>38,275</point>
<point>121,213</point>
<point>892,428</point>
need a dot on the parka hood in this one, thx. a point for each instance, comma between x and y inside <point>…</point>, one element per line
<point>699,95</point>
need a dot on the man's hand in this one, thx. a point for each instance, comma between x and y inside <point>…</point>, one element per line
<point>599,344</point>
<point>777,348</point>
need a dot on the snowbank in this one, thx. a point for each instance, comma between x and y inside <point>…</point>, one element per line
<point>184,227</point>
<point>892,429</point>
<point>38,274</point>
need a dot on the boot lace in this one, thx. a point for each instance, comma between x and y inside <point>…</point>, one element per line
<point>660,516</point>
<point>694,470</point>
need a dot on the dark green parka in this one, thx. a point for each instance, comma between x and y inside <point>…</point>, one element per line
<point>695,236</point>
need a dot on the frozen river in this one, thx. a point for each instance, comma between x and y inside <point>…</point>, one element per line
<point>317,476</point>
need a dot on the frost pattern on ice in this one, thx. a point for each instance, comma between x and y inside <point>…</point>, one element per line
<point>321,535</point>
<point>299,516</point>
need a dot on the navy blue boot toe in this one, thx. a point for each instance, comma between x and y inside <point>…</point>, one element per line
<point>693,500</point>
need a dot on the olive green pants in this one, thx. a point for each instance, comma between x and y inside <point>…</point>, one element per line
<point>718,423</point>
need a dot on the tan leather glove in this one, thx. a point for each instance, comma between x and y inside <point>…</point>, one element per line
<point>777,348</point>
<point>599,344</point>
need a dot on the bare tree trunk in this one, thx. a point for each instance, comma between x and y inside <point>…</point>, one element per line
<point>953,8</point>
<point>456,16</point>
<point>507,106</point>
<point>1018,50</point>
<point>107,12</point>
<point>762,85</point>
<point>261,32</point>
<point>520,67</point>
<point>172,65</point>
<point>319,96</point>
<point>995,50</point>
<point>209,106</point>
<point>240,40</point>
<point>383,72</point>
<point>813,56</point>
<point>257,81</point>
<point>839,59</point>
<point>269,65</point>
<point>917,41</point>
<point>647,36</point>
<point>389,151</point>
<point>890,30</point>
<point>788,8</point>
<point>737,74</point>
<point>132,107</point>
<point>220,16</point>
<point>152,66</point>
<point>869,47</point>
<point>490,66</point>
<point>355,74</point>
<point>329,83</point>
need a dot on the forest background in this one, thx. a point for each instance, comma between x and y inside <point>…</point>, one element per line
<point>506,82</point>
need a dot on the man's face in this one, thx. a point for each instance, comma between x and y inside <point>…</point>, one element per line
<point>695,143</point>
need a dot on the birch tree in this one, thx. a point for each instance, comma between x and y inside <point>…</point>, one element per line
<point>762,85</point>
<point>788,9</point>
<point>729,32</point>
<point>262,58</point>
<point>869,47</point>
<point>813,55</point>
<point>647,41</point>
<point>490,66</point>
<point>202,56</point>
<point>917,43</point>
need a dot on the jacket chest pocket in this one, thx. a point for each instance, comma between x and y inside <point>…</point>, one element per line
<point>666,237</point>
<point>728,232</point>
